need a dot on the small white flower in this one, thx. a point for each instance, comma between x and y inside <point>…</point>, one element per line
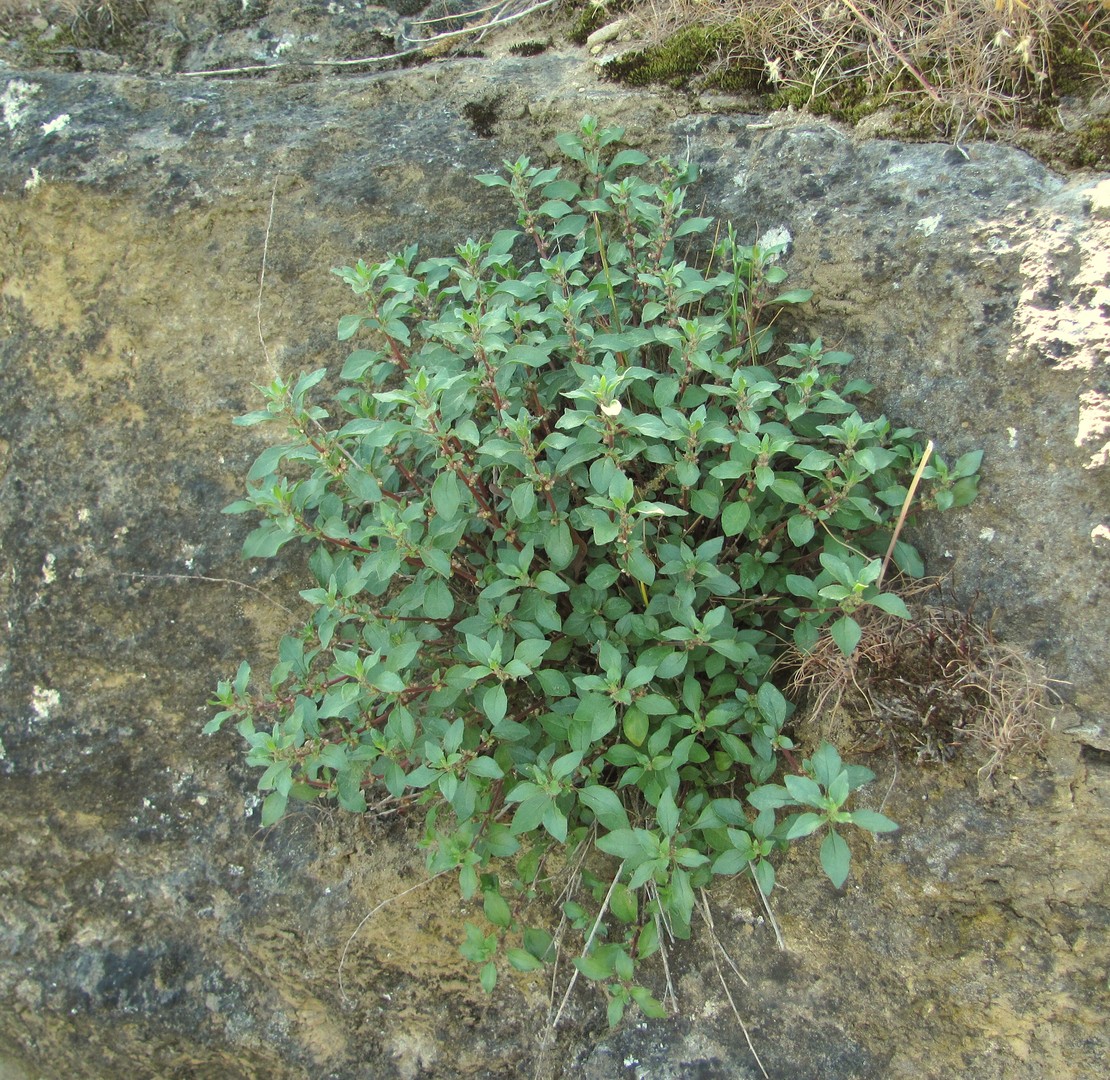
<point>612,409</point>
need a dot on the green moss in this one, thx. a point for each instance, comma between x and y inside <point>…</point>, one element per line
<point>1092,145</point>
<point>591,16</point>
<point>530,48</point>
<point>849,100</point>
<point>687,55</point>
<point>696,56</point>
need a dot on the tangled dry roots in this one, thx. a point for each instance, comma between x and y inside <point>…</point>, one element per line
<point>932,685</point>
<point>968,61</point>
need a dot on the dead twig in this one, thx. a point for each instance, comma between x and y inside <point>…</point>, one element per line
<point>589,941</point>
<point>707,914</point>
<point>213,581</point>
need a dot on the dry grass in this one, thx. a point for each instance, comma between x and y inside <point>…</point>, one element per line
<point>969,62</point>
<point>931,686</point>
<point>93,23</point>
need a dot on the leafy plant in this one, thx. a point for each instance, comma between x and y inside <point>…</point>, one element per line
<point>571,508</point>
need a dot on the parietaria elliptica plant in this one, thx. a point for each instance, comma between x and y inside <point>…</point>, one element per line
<point>567,509</point>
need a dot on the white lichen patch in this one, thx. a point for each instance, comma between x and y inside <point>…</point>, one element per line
<point>59,122</point>
<point>49,568</point>
<point>44,701</point>
<point>928,225</point>
<point>33,181</point>
<point>779,236</point>
<point>987,534</point>
<point>13,101</point>
<point>1100,536</point>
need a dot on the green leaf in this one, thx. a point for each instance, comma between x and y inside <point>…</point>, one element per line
<point>539,943</point>
<point>273,808</point>
<point>735,518</point>
<point>800,529</point>
<point>790,491</point>
<point>559,546</point>
<point>628,844</point>
<point>641,567</point>
<point>666,813</point>
<point>348,326</point>
<point>524,501</point>
<point>872,821</point>
<point>497,909</point>
<point>846,633</point>
<point>438,601</point>
<point>967,465</point>
<point>529,814</point>
<point>635,726</point>
<point>597,968</point>
<point>770,797</point>
<point>485,767</point>
<point>606,806</point>
<point>908,560</point>
<point>446,495</point>
<point>801,586</point>
<point>804,790</point>
<point>730,862</point>
<point>803,825</point>
<point>835,858</point>
<point>891,603</point>
<point>649,1006</point>
<point>794,296</point>
<point>522,960</point>
<point>551,583</point>
<point>772,704</point>
<point>495,704</point>
<point>552,682</point>
<point>649,940</point>
<point>626,157</point>
<point>555,822</point>
<point>488,977</point>
<point>265,541</point>
<point>623,904</point>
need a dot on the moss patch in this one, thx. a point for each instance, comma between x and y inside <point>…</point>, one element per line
<point>933,100</point>
<point>1092,145</point>
<point>689,55</point>
<point>590,16</point>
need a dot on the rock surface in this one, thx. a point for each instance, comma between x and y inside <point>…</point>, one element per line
<point>149,929</point>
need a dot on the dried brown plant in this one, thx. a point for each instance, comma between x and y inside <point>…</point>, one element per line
<point>967,61</point>
<point>931,685</point>
<point>95,23</point>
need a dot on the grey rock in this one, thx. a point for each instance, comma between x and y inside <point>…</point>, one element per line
<point>148,929</point>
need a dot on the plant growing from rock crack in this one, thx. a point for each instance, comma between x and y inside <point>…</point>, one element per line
<point>573,505</point>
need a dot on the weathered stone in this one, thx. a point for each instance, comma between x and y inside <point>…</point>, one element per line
<point>148,928</point>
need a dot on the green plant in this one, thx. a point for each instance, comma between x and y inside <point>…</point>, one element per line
<point>573,508</point>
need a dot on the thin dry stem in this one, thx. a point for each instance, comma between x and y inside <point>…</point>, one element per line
<point>262,282</point>
<point>509,11</point>
<point>589,941</point>
<point>213,581</point>
<point>717,945</point>
<point>370,914</point>
<point>906,503</point>
<point>767,908</point>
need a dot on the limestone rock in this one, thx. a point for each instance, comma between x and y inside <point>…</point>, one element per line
<point>148,928</point>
